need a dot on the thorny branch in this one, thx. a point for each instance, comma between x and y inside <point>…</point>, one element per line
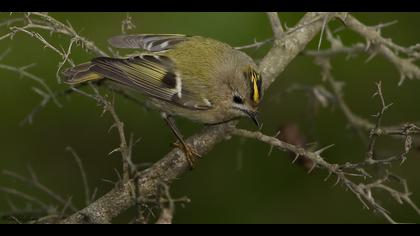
<point>288,43</point>
<point>35,182</point>
<point>323,58</point>
<point>42,21</point>
<point>386,47</point>
<point>361,190</point>
<point>46,93</point>
<point>255,45</point>
<point>127,24</point>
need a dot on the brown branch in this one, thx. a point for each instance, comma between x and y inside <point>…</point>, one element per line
<point>170,167</point>
<point>167,212</point>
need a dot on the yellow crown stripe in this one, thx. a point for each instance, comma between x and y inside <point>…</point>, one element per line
<point>256,95</point>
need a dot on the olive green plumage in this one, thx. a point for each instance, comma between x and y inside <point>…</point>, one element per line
<point>198,78</point>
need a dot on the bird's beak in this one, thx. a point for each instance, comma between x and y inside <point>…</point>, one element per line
<point>254,117</point>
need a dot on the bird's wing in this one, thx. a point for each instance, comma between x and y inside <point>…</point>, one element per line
<point>150,74</point>
<point>149,42</point>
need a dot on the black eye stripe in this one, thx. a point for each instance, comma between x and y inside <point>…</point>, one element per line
<point>237,99</point>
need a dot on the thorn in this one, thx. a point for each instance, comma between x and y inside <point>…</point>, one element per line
<point>323,149</point>
<point>371,56</point>
<point>328,176</point>
<point>271,146</point>
<point>322,32</point>
<point>383,25</point>
<point>5,53</point>
<point>402,78</point>
<point>23,68</point>
<point>270,151</point>
<point>105,109</point>
<point>403,159</point>
<point>113,151</point>
<point>312,168</point>
<point>388,106</point>
<point>137,141</point>
<point>296,157</point>
<point>368,45</point>
<point>112,126</point>
<point>336,182</point>
<point>376,115</point>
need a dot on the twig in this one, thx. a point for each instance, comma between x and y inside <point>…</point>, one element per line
<point>167,212</point>
<point>330,52</point>
<point>322,58</point>
<point>405,66</point>
<point>362,191</point>
<point>255,44</point>
<point>275,25</point>
<point>129,169</point>
<point>127,24</point>
<point>21,71</point>
<point>26,197</point>
<point>82,173</point>
<point>289,47</point>
<point>55,26</point>
<point>8,22</point>
<point>373,135</point>
<point>33,181</point>
<point>324,24</point>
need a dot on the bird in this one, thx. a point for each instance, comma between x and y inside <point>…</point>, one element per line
<point>195,77</point>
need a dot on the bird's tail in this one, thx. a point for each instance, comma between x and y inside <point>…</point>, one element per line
<point>80,73</point>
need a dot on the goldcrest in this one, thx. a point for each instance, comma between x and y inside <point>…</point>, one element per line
<point>198,78</point>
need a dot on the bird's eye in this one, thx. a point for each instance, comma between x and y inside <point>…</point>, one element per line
<point>237,99</point>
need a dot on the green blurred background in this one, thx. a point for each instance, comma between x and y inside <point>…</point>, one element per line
<point>236,182</point>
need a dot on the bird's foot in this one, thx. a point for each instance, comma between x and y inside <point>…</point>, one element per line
<point>191,154</point>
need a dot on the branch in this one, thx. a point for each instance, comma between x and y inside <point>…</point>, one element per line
<point>287,48</point>
<point>274,19</point>
<point>362,191</point>
<point>322,58</point>
<point>54,26</point>
<point>34,182</point>
<point>22,72</point>
<point>405,66</point>
<point>255,45</point>
<point>170,167</point>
